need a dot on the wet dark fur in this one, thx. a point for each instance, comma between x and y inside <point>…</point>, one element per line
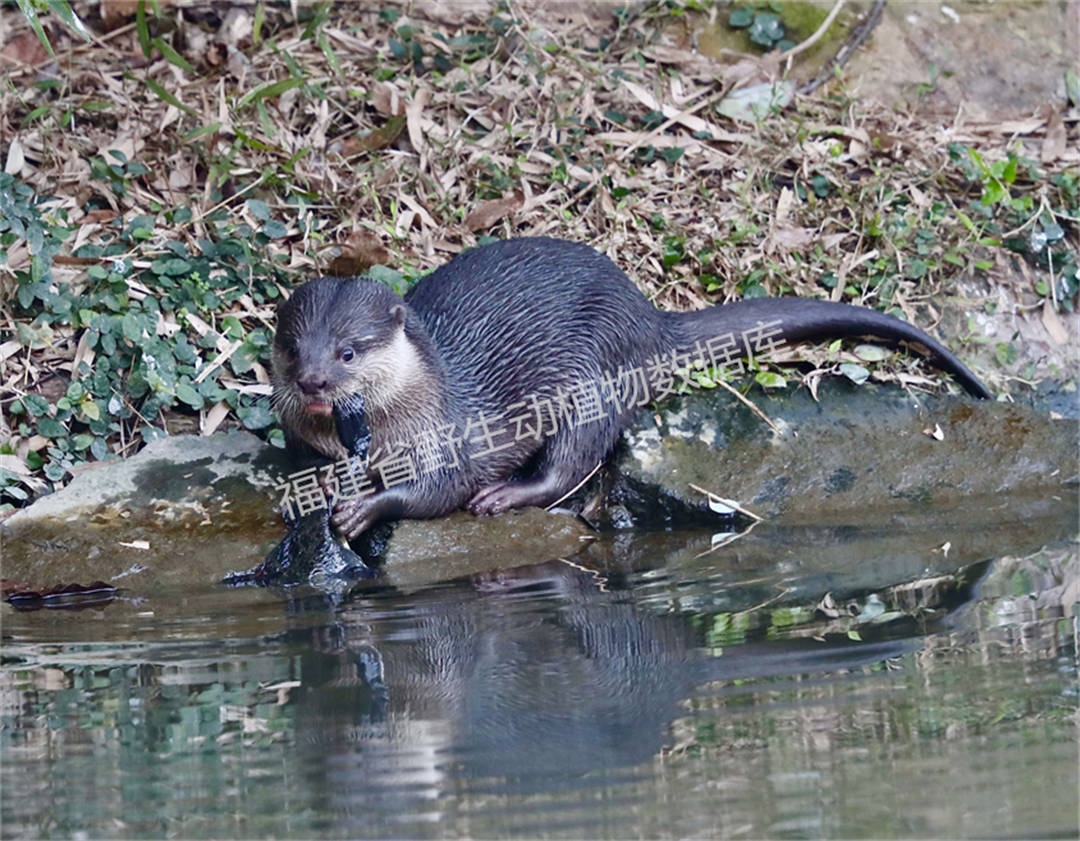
<point>491,327</point>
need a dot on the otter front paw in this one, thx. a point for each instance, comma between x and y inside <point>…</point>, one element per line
<point>354,515</point>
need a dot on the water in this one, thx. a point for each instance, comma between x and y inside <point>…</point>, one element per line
<point>699,695</point>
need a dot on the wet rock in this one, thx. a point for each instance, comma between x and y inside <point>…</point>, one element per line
<point>860,449</point>
<point>422,551</point>
<point>180,513</point>
<point>186,511</point>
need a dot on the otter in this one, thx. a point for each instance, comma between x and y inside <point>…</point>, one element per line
<point>504,377</point>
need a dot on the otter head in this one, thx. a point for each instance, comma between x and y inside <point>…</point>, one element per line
<point>339,336</point>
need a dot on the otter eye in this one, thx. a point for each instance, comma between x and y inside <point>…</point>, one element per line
<point>347,354</point>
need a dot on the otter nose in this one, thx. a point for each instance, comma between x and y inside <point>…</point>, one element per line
<point>313,385</point>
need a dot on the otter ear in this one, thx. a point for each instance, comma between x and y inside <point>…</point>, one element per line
<point>397,314</point>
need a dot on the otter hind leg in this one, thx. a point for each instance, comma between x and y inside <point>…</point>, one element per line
<point>540,489</point>
<point>566,459</point>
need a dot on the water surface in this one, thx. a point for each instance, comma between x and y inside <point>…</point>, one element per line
<point>696,694</point>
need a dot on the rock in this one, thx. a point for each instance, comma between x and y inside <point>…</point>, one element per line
<point>181,512</point>
<point>860,449</point>
<point>423,551</point>
<point>186,510</point>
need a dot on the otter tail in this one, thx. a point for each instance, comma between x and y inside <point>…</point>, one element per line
<point>756,326</point>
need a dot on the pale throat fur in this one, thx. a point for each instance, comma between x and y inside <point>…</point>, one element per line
<point>400,394</point>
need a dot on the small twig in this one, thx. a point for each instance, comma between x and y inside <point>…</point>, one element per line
<point>576,487</point>
<point>1034,216</point>
<point>668,123</point>
<point>599,577</point>
<point>858,36</point>
<point>753,408</point>
<point>779,595</point>
<point>729,503</point>
<point>813,39</point>
<point>731,538</point>
<point>229,200</point>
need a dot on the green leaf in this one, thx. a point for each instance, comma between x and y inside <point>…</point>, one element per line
<point>871,353</point>
<point>270,89</point>
<point>328,52</point>
<point>152,433</point>
<point>259,209</point>
<point>30,13</point>
<point>767,29</point>
<point>35,404</point>
<point>210,128</point>
<point>141,28</point>
<point>63,11</point>
<point>131,327</point>
<point>255,417</point>
<point>1008,175</point>
<point>168,97</point>
<point>1006,353</point>
<point>274,229</point>
<point>1072,86</point>
<point>967,223</point>
<point>176,266</point>
<point>672,154</point>
<point>51,428</point>
<point>993,192</point>
<point>90,409</point>
<point>741,18</point>
<point>915,269</point>
<point>172,55</point>
<point>186,394</point>
<point>769,379</point>
<point>256,29</point>
<point>856,373</point>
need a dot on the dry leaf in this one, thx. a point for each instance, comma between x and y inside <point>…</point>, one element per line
<point>387,101</point>
<point>115,12</point>
<point>935,433</point>
<point>1054,145</point>
<point>13,464</point>
<point>15,158</point>
<point>828,606</point>
<point>492,211</point>
<point>104,215</point>
<point>25,48</point>
<point>83,353</point>
<point>1052,322</point>
<point>360,252</point>
<point>213,417</point>
<point>414,113</point>
<point>238,26</point>
<point>376,139</point>
<point>790,239</point>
